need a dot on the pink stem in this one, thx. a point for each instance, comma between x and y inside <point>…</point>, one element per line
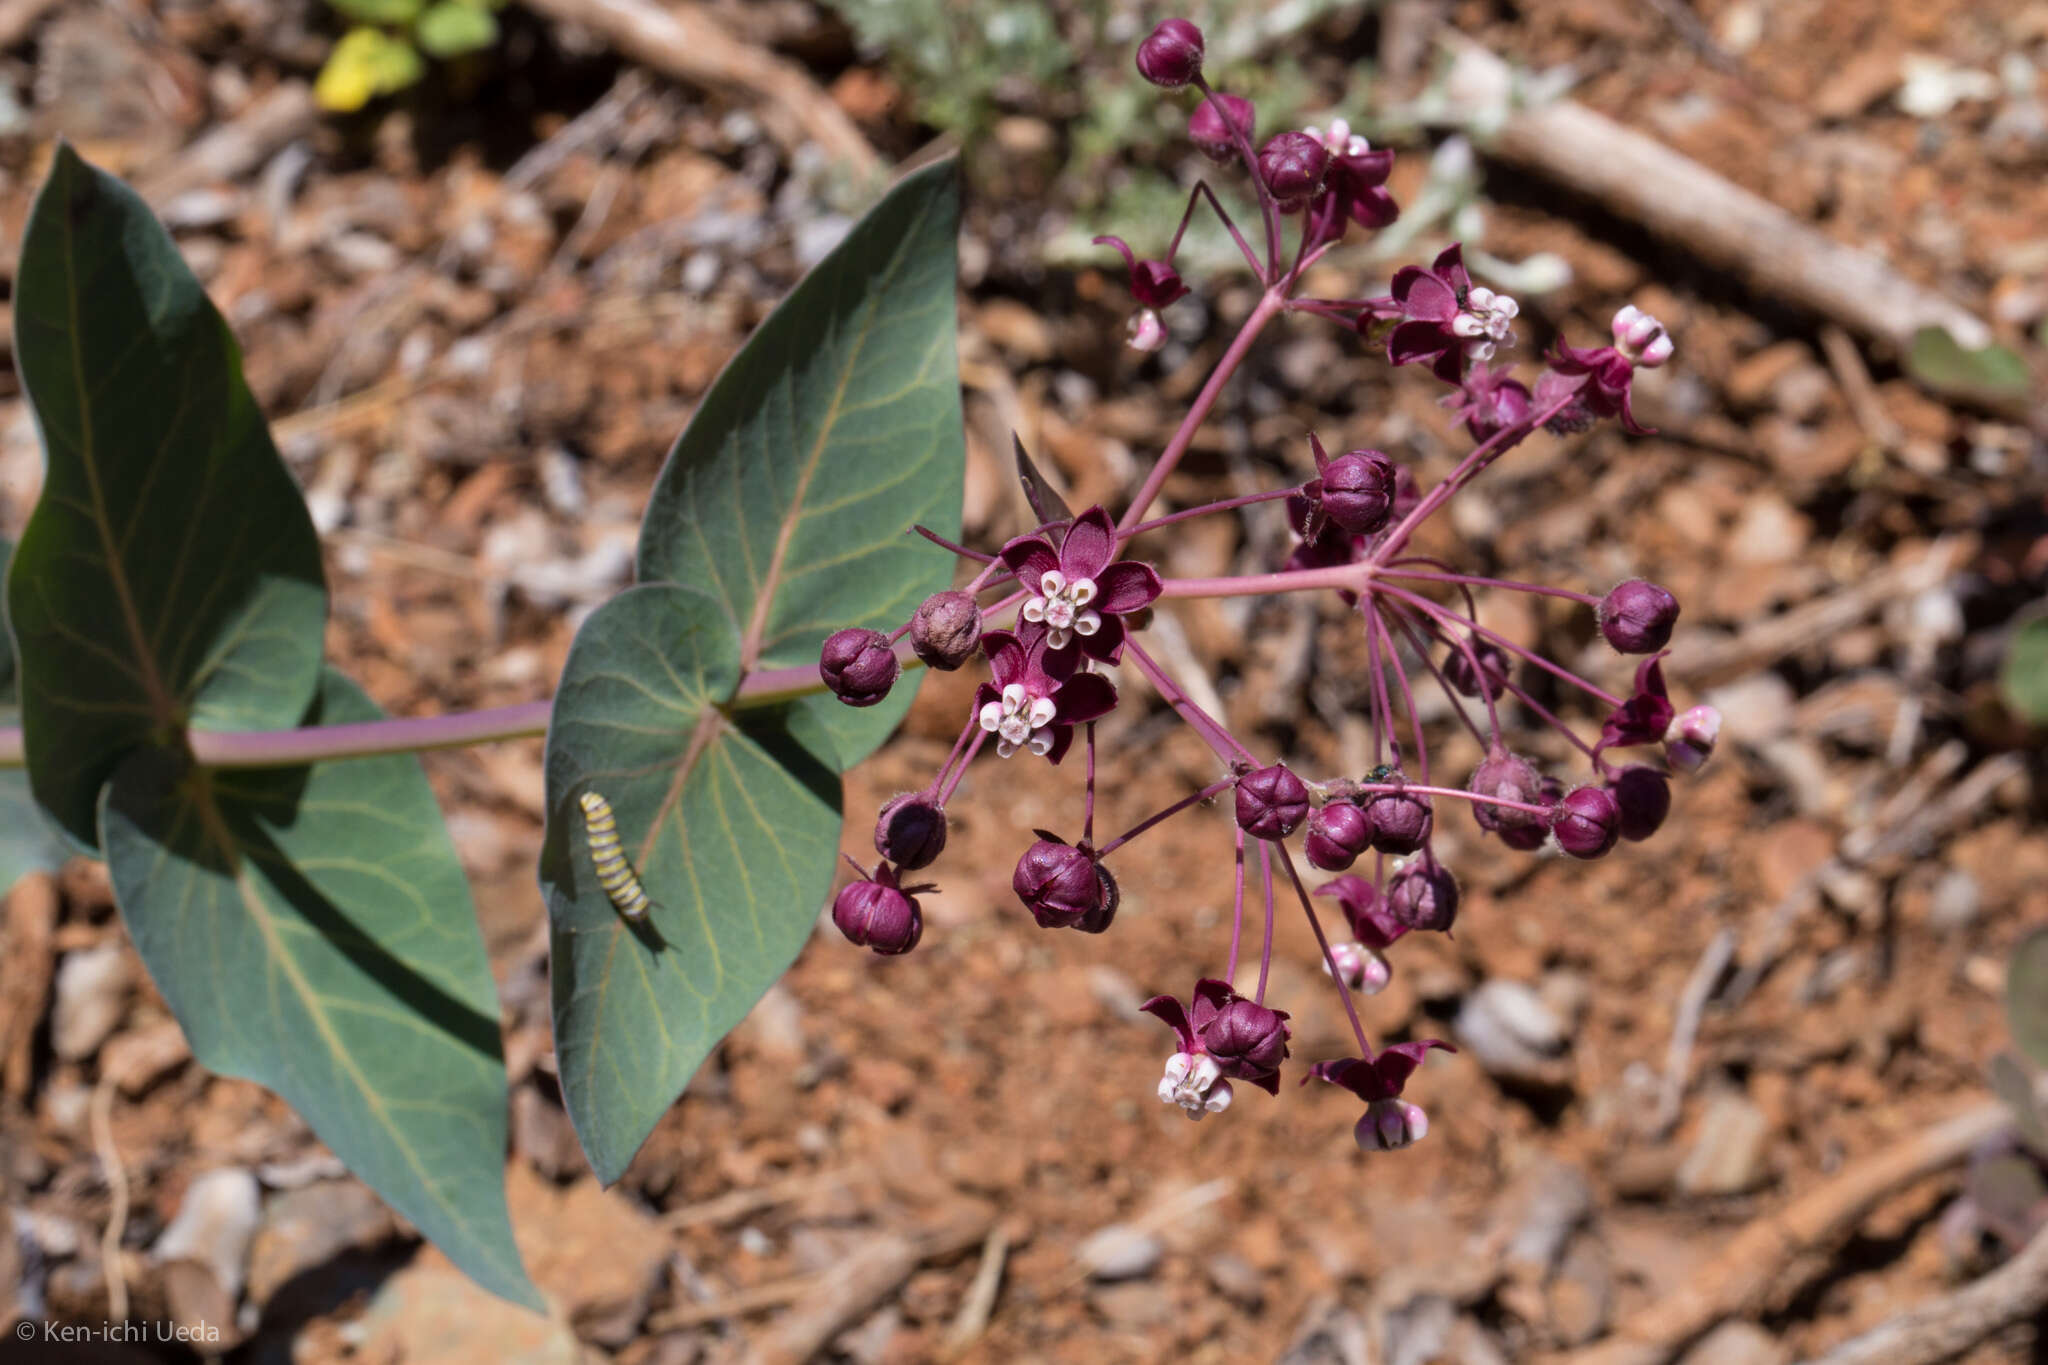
<point>1226,505</point>
<point>1237,907</point>
<point>1158,816</point>
<point>1266,953</point>
<point>1407,695</point>
<point>1323,942</point>
<point>1211,730</point>
<point>1438,612</point>
<point>1505,585</point>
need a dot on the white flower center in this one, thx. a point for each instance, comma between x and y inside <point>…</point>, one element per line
<point>1195,1083</point>
<point>1485,321</point>
<point>1390,1125</point>
<point>1363,969</point>
<point>1641,338</point>
<point>1019,721</point>
<point>1063,607</point>
<point>1339,140</point>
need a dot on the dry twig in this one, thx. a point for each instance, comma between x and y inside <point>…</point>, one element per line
<point>31,957</point>
<point>100,1114</point>
<point>1950,1325</point>
<point>235,148</point>
<point>1699,988</point>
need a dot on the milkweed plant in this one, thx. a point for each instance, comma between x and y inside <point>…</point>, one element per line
<point>279,859</point>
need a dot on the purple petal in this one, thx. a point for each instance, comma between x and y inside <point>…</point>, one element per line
<point>1348,1072</point>
<point>1373,208</point>
<point>1170,1010</point>
<point>1392,1068</point>
<point>1125,586</point>
<point>1269,1082</point>
<point>1210,997</point>
<point>1082,698</point>
<point>1106,644</point>
<point>1045,666</point>
<point>1130,261</point>
<point>1032,557</point>
<point>1005,656</point>
<point>1650,676</point>
<point>1413,341</point>
<point>1450,366</point>
<point>1090,545</point>
<point>1450,267</point>
<point>1062,740</point>
<point>1423,296</point>
<point>1377,928</point>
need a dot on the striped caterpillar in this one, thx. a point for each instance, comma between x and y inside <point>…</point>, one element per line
<point>614,873</point>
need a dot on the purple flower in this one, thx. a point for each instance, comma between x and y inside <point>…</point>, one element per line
<point>1489,401</point>
<point>1423,895</point>
<point>858,665</point>
<point>877,913</point>
<point>1356,490</point>
<point>1293,166</point>
<point>1365,910</point>
<point>1530,837</point>
<point>1171,54</point>
<point>1337,833</point>
<point>1587,823</point>
<point>1211,136</point>
<point>1390,1122</point>
<point>1598,378</point>
<point>1401,821</point>
<point>945,629</point>
<point>1061,884</point>
<point>1037,698</point>
<point>1636,616</point>
<point>1082,588</point>
<point>911,831</point>
<point>1444,317</point>
<point>1354,187</point>
<point>1645,716</point>
<point>1246,1040</point>
<point>1643,796</point>
<point>1271,801</point>
<point>1154,284</point>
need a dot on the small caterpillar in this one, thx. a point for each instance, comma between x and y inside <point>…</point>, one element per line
<point>614,873</point>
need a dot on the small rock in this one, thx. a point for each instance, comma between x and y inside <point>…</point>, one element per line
<point>1768,532</point>
<point>1331,1334</point>
<point>1737,1343</point>
<point>431,1311</point>
<point>205,1250</point>
<point>311,1226</point>
<point>1513,1034</point>
<point>1580,1297</point>
<point>1954,903</point>
<point>1554,1200</point>
<point>139,1059</point>
<point>1120,1252</point>
<point>1728,1155</point>
<point>92,993</point>
<point>1134,1305</point>
<point>1236,1279</point>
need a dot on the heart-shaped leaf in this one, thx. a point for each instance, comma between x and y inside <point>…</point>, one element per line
<point>1943,364</point>
<point>170,575</point>
<point>2023,680</point>
<point>312,931</point>
<point>780,517</point>
<point>2026,996</point>
<point>27,839</point>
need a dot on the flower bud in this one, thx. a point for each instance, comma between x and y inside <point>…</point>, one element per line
<point>1104,913</point>
<point>1637,616</point>
<point>1359,967</point>
<point>1641,338</point>
<point>1489,679</point>
<point>1358,490</point>
<point>1058,885</point>
<point>1689,742</point>
<point>858,665</point>
<point>1248,1040</point>
<point>1507,777</point>
<point>1643,797</point>
<point>911,831</point>
<point>1423,895</point>
<point>877,915</point>
<point>1337,834</point>
<point>1587,823</point>
<point>1401,821</point>
<point>1207,130</point>
<point>1271,802</point>
<point>1171,54</point>
<point>1390,1125</point>
<point>1145,332</point>
<point>1156,284</point>
<point>945,628</point>
<point>1293,166</point>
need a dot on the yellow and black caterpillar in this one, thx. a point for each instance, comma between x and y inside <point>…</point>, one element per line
<point>614,873</point>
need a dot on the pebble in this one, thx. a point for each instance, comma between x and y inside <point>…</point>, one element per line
<point>1728,1155</point>
<point>1513,1033</point>
<point>214,1226</point>
<point>92,992</point>
<point>1121,1252</point>
<point>1737,1343</point>
<point>1753,709</point>
<point>1236,1279</point>
<point>1955,902</point>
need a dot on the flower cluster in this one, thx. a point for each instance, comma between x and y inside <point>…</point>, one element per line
<point>1054,615</point>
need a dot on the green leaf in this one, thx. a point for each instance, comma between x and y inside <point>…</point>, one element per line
<point>2023,680</point>
<point>366,63</point>
<point>392,12</point>
<point>170,574</point>
<point>834,430</point>
<point>312,931</point>
<point>779,518</point>
<point>28,842</point>
<point>2026,996</point>
<point>452,28</point>
<point>2011,1083</point>
<point>1940,362</point>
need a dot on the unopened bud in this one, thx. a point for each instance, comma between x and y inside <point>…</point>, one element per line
<point>1359,967</point>
<point>1271,802</point>
<point>1171,54</point>
<point>1423,895</point>
<point>1487,679</point>
<point>1058,885</point>
<point>1293,166</point>
<point>1587,823</point>
<point>1358,490</point>
<point>1401,821</point>
<point>1211,136</point>
<point>876,914</point>
<point>1337,834</point>
<point>1637,617</point>
<point>1643,796</point>
<point>945,629</point>
<point>1248,1040</point>
<point>858,665</point>
<point>1689,742</point>
<point>1507,777</point>
<point>1145,332</point>
<point>1390,1125</point>
<point>911,831</point>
